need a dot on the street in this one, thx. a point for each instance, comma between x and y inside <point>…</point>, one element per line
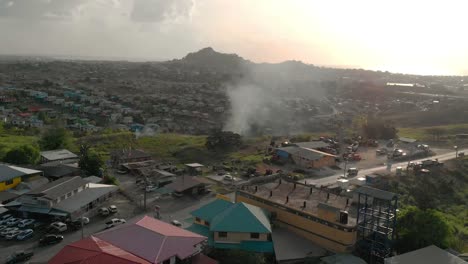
<point>362,173</point>
<point>171,209</point>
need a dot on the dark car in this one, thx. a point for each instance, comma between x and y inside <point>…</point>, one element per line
<point>50,239</point>
<point>19,257</point>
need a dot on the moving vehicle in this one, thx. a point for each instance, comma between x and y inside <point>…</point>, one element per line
<point>103,211</point>
<point>59,226</point>
<point>26,222</point>
<point>113,209</point>
<point>115,222</point>
<point>50,239</point>
<point>12,234</point>
<point>352,172</point>
<point>19,257</point>
<point>150,188</point>
<point>381,152</point>
<point>25,234</point>
<point>176,223</point>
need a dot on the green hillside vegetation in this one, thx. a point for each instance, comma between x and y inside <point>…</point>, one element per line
<point>444,191</point>
<point>13,138</point>
<point>433,133</point>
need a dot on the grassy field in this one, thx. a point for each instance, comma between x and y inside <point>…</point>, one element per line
<point>8,142</point>
<point>423,133</point>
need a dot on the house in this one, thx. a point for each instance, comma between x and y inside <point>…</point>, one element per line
<point>427,255</point>
<point>234,225</point>
<point>305,157</point>
<point>56,170</point>
<point>11,176</point>
<point>60,155</point>
<point>68,197</point>
<point>128,156</point>
<point>187,185</point>
<point>143,241</point>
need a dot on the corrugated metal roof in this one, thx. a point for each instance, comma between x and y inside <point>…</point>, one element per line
<point>183,183</point>
<point>242,217</point>
<point>427,255</point>
<point>211,210</point>
<point>55,189</point>
<point>59,154</point>
<point>9,172</point>
<point>153,240</point>
<point>92,193</point>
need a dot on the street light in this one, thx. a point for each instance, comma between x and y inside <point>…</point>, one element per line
<point>456,151</point>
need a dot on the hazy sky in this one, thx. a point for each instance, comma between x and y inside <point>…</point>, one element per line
<point>413,36</point>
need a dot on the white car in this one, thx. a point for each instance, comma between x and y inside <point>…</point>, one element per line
<point>84,219</point>
<point>12,234</point>
<point>7,230</point>
<point>113,209</point>
<point>5,219</point>
<point>59,226</point>
<point>176,223</point>
<point>26,222</point>
<point>150,188</point>
<point>115,222</point>
<point>228,177</point>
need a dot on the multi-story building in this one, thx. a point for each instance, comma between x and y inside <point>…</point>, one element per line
<point>325,218</point>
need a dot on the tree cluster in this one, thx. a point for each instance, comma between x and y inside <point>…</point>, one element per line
<point>223,140</point>
<point>22,155</point>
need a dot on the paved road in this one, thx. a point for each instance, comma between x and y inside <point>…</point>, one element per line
<point>173,208</point>
<point>362,173</point>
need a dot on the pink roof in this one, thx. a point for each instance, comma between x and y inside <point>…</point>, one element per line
<point>93,250</point>
<point>153,240</point>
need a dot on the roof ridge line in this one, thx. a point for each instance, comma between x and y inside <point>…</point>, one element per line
<point>160,248</point>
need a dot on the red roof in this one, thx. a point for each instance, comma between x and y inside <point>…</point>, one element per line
<point>34,109</point>
<point>93,250</point>
<point>153,240</point>
<point>24,114</point>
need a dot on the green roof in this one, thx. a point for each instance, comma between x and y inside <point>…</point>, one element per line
<point>209,211</point>
<point>242,217</point>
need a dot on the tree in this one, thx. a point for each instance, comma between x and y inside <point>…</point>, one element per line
<point>420,228</point>
<point>90,161</point>
<point>56,138</point>
<point>223,140</point>
<point>25,154</point>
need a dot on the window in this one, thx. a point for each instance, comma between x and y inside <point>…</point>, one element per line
<point>197,219</point>
<point>207,223</point>
<point>222,234</point>
<point>9,182</point>
<point>255,235</point>
<point>69,194</point>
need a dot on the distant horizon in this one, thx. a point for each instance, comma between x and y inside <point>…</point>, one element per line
<point>65,57</point>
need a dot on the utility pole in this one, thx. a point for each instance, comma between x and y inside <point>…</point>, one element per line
<point>456,151</point>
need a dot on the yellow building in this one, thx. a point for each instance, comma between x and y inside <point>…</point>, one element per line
<point>11,176</point>
<point>310,212</point>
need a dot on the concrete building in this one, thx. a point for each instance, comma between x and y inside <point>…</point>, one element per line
<point>325,218</point>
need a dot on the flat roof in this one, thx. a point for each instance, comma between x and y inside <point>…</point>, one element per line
<point>301,193</point>
<point>380,194</point>
<point>59,154</point>
<point>93,192</point>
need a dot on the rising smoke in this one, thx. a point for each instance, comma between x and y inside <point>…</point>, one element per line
<point>273,99</point>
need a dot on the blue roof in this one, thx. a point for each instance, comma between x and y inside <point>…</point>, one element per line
<point>209,211</point>
<point>242,217</point>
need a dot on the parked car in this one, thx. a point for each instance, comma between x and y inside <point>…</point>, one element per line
<point>84,219</point>
<point>5,218</point>
<point>382,151</point>
<point>7,230</point>
<point>59,226</point>
<point>228,177</point>
<point>13,221</point>
<point>25,234</point>
<point>115,222</point>
<point>26,222</point>
<point>103,211</point>
<point>2,227</point>
<point>150,188</point>
<point>50,239</point>
<point>19,257</point>
<point>176,223</point>
<point>113,209</point>
<point>12,234</point>
<point>177,194</point>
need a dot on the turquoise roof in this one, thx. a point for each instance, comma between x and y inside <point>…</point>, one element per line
<point>242,217</point>
<point>209,211</point>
